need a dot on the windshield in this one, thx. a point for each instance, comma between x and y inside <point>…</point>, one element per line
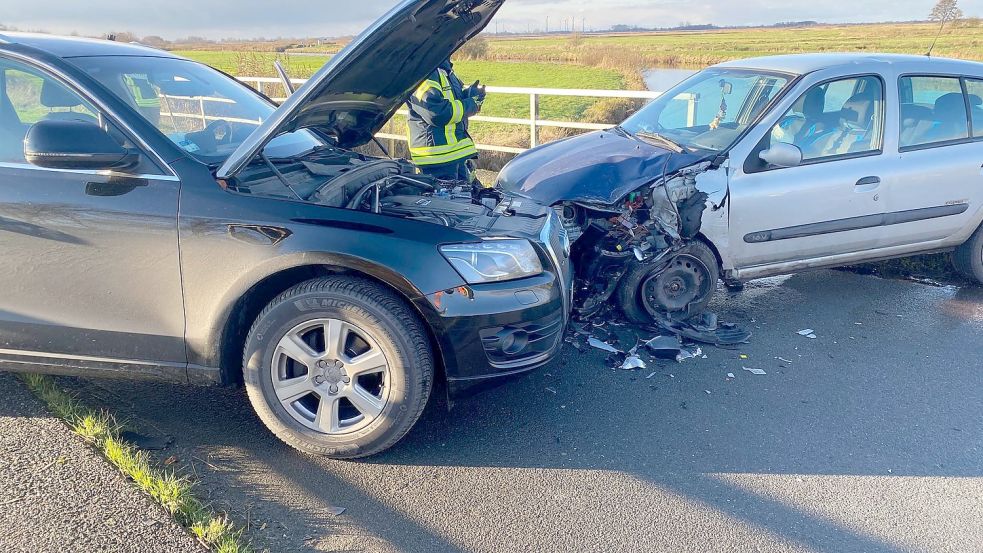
<point>201,110</point>
<point>708,111</point>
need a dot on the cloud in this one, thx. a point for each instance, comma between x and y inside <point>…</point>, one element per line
<point>296,18</point>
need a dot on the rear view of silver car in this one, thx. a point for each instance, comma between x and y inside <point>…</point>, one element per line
<point>769,166</point>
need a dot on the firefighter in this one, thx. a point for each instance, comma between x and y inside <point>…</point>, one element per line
<point>438,125</point>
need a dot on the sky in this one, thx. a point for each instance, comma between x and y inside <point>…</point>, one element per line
<point>306,18</point>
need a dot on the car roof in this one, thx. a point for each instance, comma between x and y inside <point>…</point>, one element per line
<point>75,47</point>
<point>801,64</point>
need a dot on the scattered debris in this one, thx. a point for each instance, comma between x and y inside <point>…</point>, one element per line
<point>550,390</point>
<point>730,376</point>
<point>336,511</point>
<point>754,371</point>
<point>665,347</point>
<point>604,346</point>
<point>723,334</point>
<point>650,376</point>
<point>743,356</point>
<point>783,360</point>
<point>170,460</point>
<point>707,391</point>
<point>633,362</point>
<point>808,333</point>
<point>686,354</point>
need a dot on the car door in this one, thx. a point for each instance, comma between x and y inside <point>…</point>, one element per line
<point>91,276</point>
<point>940,190</point>
<point>827,204</point>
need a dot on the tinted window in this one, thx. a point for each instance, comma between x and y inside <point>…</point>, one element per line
<point>933,109</point>
<point>28,96</point>
<point>975,90</point>
<point>835,118</point>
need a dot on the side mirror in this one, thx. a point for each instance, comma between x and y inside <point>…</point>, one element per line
<point>782,155</point>
<point>59,144</point>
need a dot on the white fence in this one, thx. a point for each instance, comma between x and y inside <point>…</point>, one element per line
<point>533,122</point>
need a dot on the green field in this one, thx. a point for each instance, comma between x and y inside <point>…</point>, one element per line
<point>616,62</point>
<point>697,49</point>
<point>489,72</point>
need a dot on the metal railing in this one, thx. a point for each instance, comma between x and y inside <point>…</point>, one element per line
<point>533,121</point>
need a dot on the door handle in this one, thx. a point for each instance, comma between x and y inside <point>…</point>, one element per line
<point>867,181</point>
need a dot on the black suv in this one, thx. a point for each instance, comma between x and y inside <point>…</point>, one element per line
<point>160,220</point>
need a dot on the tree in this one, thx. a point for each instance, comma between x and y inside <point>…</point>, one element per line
<point>944,11</point>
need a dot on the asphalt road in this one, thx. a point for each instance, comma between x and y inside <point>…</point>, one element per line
<point>871,439</point>
<point>58,495</point>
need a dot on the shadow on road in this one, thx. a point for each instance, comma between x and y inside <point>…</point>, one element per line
<point>889,388</point>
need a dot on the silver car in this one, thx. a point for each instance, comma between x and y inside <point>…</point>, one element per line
<point>769,166</point>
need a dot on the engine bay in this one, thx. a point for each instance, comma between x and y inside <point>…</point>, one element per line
<point>345,179</point>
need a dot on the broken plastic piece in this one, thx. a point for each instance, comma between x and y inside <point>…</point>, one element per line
<point>687,354</point>
<point>755,371</point>
<point>808,333</point>
<point>731,376</point>
<point>650,376</point>
<point>783,360</point>
<point>725,334</point>
<point>665,347</point>
<point>604,346</point>
<point>633,362</point>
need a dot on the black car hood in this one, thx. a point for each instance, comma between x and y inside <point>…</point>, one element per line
<point>361,87</point>
<point>599,167</point>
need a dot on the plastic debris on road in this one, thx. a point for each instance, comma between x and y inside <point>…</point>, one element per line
<point>754,371</point>
<point>808,333</point>
<point>686,354</point>
<point>604,346</point>
<point>633,362</point>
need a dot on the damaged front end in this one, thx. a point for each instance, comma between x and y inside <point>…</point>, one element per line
<point>633,211</point>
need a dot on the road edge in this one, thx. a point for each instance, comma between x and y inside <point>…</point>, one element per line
<point>100,430</point>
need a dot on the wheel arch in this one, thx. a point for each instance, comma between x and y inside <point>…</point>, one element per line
<point>231,334</point>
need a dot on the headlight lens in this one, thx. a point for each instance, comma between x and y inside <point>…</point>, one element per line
<point>493,260</point>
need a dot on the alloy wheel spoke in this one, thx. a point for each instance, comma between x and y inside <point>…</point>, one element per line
<point>292,389</point>
<point>327,419</point>
<point>335,333</point>
<point>298,350</point>
<point>365,402</point>
<point>372,361</point>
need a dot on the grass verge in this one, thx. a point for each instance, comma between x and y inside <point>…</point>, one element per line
<point>171,491</point>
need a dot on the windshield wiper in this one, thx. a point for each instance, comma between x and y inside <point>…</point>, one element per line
<point>662,140</point>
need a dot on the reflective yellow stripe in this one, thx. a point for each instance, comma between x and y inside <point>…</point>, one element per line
<point>440,150</point>
<point>425,87</point>
<point>450,131</point>
<point>446,158</point>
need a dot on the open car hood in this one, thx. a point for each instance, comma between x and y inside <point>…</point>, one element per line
<point>361,87</point>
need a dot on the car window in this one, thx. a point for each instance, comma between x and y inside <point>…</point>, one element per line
<point>933,110</point>
<point>974,88</point>
<point>710,110</point>
<point>837,118</point>
<point>28,96</point>
<point>204,112</point>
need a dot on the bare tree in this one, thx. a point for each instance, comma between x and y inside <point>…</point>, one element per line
<point>943,12</point>
<point>946,10</point>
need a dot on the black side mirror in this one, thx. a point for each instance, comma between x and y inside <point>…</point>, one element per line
<point>58,144</point>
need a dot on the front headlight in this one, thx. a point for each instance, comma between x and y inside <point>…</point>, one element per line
<point>493,260</point>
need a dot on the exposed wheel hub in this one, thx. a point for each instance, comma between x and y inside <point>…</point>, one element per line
<point>686,280</point>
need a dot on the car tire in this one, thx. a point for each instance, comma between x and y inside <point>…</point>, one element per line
<point>350,400</point>
<point>968,258</point>
<point>630,297</point>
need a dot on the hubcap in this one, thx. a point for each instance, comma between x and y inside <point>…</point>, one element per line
<point>685,281</point>
<point>331,376</point>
